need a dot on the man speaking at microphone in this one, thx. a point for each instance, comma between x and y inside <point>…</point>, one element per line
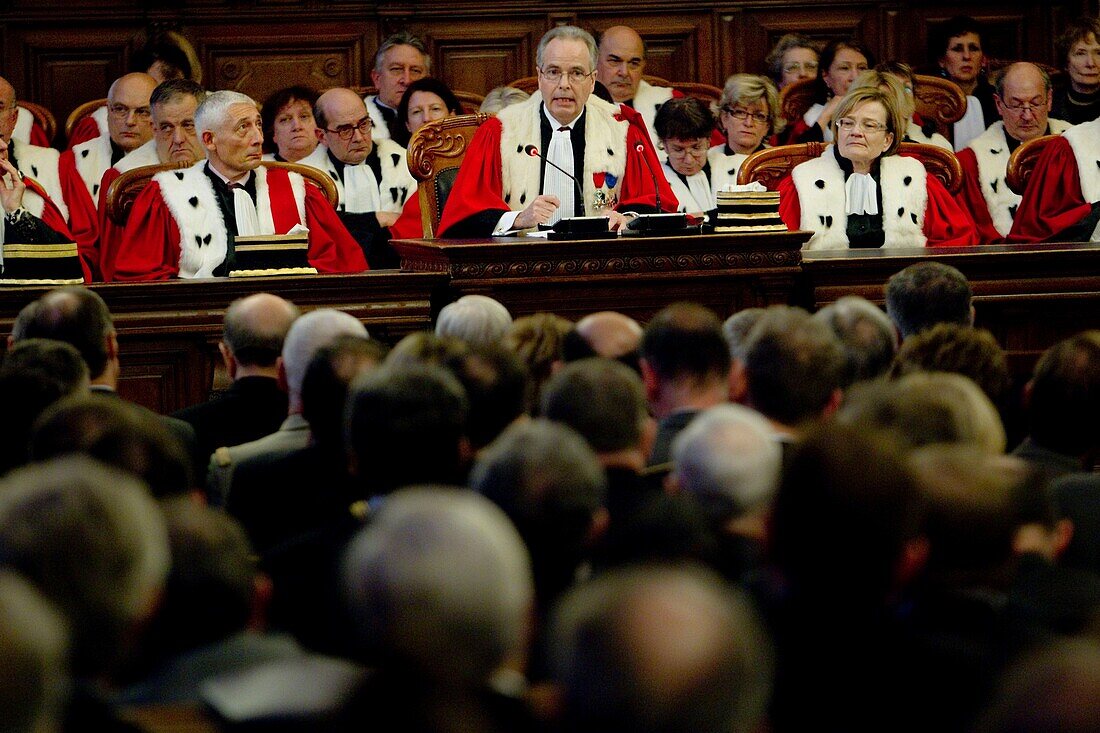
<point>561,154</point>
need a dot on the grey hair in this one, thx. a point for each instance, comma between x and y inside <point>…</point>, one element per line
<point>736,330</point>
<point>866,333</point>
<point>440,580</point>
<point>173,89</point>
<point>567,32</point>
<point>307,335</point>
<point>214,110</point>
<point>774,60</point>
<point>476,319</point>
<point>728,460</point>
<point>501,97</point>
<point>402,38</point>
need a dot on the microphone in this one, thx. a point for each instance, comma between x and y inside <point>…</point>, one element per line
<point>534,153</point>
<point>639,147</point>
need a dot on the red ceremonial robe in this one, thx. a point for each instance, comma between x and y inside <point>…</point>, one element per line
<point>479,185</point>
<point>83,218</point>
<point>409,225</point>
<point>1053,201</point>
<point>84,130</point>
<point>38,136</point>
<point>946,224</point>
<point>971,198</point>
<point>110,234</point>
<point>150,248</point>
<point>52,217</point>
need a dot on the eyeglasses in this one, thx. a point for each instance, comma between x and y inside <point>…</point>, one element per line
<point>868,127</point>
<point>121,111</point>
<point>743,114</point>
<point>810,67</point>
<point>554,75</point>
<point>1019,109</point>
<point>347,132</point>
<point>697,149</point>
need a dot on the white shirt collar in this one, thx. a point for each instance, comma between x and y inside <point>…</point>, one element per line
<point>554,124</point>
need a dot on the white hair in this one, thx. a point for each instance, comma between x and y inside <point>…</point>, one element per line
<point>441,580</point>
<point>214,110</point>
<point>309,334</point>
<point>476,319</point>
<point>567,32</point>
<point>728,459</point>
<point>501,97</point>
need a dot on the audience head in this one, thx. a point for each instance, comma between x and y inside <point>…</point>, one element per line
<point>793,366</point>
<point>254,330</point>
<point>1079,49</point>
<point>495,382</point>
<point>440,587</point>
<point>927,293</point>
<point>33,659</point>
<point>307,334</point>
<point>1064,396</point>
<point>401,59</point>
<point>93,541</point>
<point>344,125</point>
<point>683,126</point>
<point>426,100</point>
<point>539,342</point>
<point>621,62</point>
<point>659,650</point>
<point>949,347</point>
<point>866,334</point>
<point>566,60</point>
<point>476,319</point>
<point>76,316</point>
<point>424,347</point>
<point>727,460</point>
<point>289,127</point>
<point>326,382</point>
<point>551,485</point>
<point>957,47</point>
<point>117,434</point>
<point>845,501</point>
<point>1024,98</point>
<point>792,58</point>
<point>736,330</point>
<point>406,425</point>
<point>923,408</point>
<point>608,334</point>
<point>748,112</point>
<point>129,119</point>
<point>232,132</point>
<point>841,62</point>
<point>173,104</point>
<point>683,348</point>
<point>602,400</point>
<point>500,97</point>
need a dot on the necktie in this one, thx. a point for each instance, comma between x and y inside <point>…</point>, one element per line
<point>556,183</point>
<point>360,189</point>
<point>244,210</point>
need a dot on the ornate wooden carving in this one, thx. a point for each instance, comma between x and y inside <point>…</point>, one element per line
<point>772,165</point>
<point>1022,162</point>
<point>81,112</point>
<point>939,100</point>
<point>796,98</point>
<point>435,147</point>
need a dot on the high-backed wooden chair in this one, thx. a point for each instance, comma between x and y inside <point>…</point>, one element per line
<point>795,99</point>
<point>1022,162</point>
<point>435,153</point>
<point>125,189</point>
<point>771,165</point>
<point>81,112</point>
<point>42,116</point>
<point>470,101</point>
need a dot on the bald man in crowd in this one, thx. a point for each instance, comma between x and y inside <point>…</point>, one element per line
<point>608,334</point>
<point>620,68</point>
<point>370,173</point>
<point>1023,99</point>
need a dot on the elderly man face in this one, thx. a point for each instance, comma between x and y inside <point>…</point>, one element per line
<point>566,79</point>
<point>1026,103</point>
<point>621,62</point>
<point>401,65</point>
<point>174,130</point>
<point>235,146</point>
<point>347,131</point>
<point>9,112</point>
<point>129,119</point>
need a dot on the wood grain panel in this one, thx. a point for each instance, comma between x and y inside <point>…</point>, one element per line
<point>477,55</point>
<point>679,47</point>
<point>761,27</point>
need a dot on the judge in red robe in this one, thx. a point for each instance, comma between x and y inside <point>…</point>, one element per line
<point>502,186</point>
<point>1062,199</point>
<point>184,222</point>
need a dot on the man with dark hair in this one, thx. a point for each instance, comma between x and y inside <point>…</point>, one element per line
<point>400,60</point>
<point>255,405</point>
<point>551,485</point>
<point>495,381</point>
<point>659,650</point>
<point>794,366</point>
<point>949,347</point>
<point>866,333</point>
<point>1063,401</point>
<point>685,368</point>
<point>406,426</point>
<point>621,66</point>
<point>927,293</point>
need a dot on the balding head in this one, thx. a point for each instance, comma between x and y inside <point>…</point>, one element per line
<point>307,335</point>
<point>621,62</point>
<point>9,112</point>
<point>130,120</point>
<point>344,110</point>
<point>1023,100</point>
<point>610,334</point>
<point>255,328</point>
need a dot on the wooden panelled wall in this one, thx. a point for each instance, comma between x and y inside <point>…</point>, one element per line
<point>61,53</point>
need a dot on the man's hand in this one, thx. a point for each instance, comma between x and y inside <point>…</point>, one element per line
<point>386,218</point>
<point>11,187</point>
<point>616,221</point>
<point>537,212</point>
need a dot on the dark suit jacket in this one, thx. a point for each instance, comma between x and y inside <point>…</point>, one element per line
<point>251,408</point>
<point>177,427</point>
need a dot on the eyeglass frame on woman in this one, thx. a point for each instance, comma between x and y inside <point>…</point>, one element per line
<point>347,132</point>
<point>742,115</point>
<point>847,124</point>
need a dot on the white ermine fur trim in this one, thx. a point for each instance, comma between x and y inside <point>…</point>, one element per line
<point>916,134</point>
<point>683,193</point>
<point>396,177</point>
<point>93,158</point>
<point>41,164</point>
<point>646,103</point>
<point>1084,140</point>
<point>24,121</point>
<point>380,131</point>
<point>100,117</point>
<point>604,151</point>
<point>139,157</point>
<point>723,168</point>
<point>820,187</point>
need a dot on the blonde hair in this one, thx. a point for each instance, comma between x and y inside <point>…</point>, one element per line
<point>747,89</point>
<point>895,122</point>
<point>907,105</point>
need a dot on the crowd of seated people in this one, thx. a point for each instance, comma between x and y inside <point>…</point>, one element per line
<point>538,525</point>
